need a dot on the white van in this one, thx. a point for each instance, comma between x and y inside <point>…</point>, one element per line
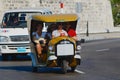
<point>13,31</point>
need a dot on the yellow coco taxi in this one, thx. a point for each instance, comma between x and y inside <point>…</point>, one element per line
<point>61,51</point>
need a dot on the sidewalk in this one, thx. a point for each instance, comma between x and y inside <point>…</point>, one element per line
<point>98,36</point>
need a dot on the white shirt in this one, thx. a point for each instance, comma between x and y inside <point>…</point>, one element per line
<point>56,33</point>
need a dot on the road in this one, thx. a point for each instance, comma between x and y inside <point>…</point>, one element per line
<point>100,61</point>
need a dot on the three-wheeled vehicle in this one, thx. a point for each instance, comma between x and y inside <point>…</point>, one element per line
<point>62,52</point>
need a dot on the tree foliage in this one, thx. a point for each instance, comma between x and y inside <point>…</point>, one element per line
<point>116,11</point>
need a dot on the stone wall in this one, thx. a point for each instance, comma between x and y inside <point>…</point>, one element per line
<point>94,13</point>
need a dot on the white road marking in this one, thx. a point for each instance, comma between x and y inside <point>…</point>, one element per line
<point>78,71</point>
<point>103,50</point>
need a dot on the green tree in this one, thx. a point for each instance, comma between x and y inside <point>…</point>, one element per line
<point>116,11</point>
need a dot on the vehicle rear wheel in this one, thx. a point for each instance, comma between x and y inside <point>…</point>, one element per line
<point>64,66</point>
<point>34,69</point>
<point>73,69</point>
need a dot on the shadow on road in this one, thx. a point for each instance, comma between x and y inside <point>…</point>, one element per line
<point>18,68</point>
<point>26,66</point>
<point>17,58</point>
<point>29,69</point>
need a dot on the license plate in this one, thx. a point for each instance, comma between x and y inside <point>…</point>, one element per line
<point>21,49</point>
<point>65,49</point>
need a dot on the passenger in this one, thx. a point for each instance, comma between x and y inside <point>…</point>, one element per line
<point>48,35</point>
<point>49,30</point>
<point>59,31</point>
<point>36,36</point>
<point>15,22</point>
<point>71,32</point>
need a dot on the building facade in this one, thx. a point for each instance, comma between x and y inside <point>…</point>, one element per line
<point>94,15</point>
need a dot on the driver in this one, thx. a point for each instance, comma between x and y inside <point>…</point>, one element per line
<point>38,39</point>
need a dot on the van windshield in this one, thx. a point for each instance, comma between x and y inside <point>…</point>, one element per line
<point>16,19</point>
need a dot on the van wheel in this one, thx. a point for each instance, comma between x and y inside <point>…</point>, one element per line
<point>4,57</point>
<point>13,57</point>
<point>34,69</point>
<point>64,66</point>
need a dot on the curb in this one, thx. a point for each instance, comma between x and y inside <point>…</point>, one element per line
<point>98,36</point>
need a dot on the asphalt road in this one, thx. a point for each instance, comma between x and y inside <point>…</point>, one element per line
<point>100,61</point>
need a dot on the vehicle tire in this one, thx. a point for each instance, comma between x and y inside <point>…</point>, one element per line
<point>14,57</point>
<point>64,66</point>
<point>73,69</point>
<point>34,69</point>
<point>4,57</point>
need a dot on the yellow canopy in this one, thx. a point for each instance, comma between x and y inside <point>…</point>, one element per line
<point>56,17</point>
